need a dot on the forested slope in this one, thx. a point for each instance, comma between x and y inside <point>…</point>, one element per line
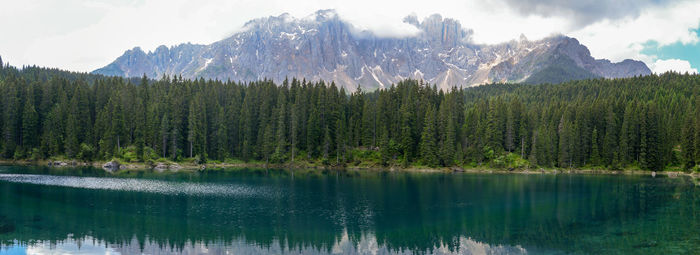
<point>648,122</point>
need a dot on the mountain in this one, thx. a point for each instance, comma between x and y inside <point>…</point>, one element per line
<point>323,46</point>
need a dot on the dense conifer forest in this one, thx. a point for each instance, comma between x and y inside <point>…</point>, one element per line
<point>646,122</point>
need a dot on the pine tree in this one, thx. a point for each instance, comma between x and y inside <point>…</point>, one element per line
<point>341,138</point>
<point>117,128</point>
<point>268,143</point>
<point>428,146</point>
<point>314,133</point>
<point>72,144</point>
<point>281,134</point>
<point>139,128</point>
<point>625,150</point>
<point>369,124</point>
<point>249,125</point>
<point>197,131</point>
<point>448,134</point>
<point>52,140</point>
<point>385,147</point>
<point>11,120</point>
<point>534,152</point>
<point>688,142</point>
<point>649,156</point>
<point>164,133</point>
<point>30,121</point>
<point>610,139</point>
<point>294,128</point>
<point>595,152</point>
<point>565,143</point>
<point>406,136</point>
<point>221,135</point>
<point>494,127</point>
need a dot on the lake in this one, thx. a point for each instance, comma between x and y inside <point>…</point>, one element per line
<point>254,211</point>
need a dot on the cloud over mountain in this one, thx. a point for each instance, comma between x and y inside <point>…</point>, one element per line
<point>323,46</point>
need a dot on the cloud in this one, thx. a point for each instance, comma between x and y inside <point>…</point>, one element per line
<point>626,38</point>
<point>584,12</point>
<point>380,26</point>
<point>83,35</point>
<point>677,65</point>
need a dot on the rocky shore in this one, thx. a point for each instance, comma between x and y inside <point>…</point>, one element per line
<point>114,166</point>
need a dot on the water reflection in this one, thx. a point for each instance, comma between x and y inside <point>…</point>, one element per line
<point>366,245</point>
<point>345,212</point>
<point>152,186</point>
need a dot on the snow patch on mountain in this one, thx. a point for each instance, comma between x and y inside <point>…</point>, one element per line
<point>442,53</point>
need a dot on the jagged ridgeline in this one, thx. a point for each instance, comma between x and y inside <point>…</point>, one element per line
<point>323,46</point>
<point>648,122</point>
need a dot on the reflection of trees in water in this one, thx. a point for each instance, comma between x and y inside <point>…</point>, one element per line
<point>398,211</point>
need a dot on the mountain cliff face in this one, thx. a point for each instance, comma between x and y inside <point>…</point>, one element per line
<point>324,47</point>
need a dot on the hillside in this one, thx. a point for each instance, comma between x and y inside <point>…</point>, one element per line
<point>323,46</point>
<point>643,122</point>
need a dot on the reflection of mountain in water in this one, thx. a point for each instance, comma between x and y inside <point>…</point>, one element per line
<point>346,211</point>
<point>366,245</point>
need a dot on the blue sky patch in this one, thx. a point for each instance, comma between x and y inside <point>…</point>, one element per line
<point>689,52</point>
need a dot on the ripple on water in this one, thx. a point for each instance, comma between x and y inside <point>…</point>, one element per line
<point>142,185</point>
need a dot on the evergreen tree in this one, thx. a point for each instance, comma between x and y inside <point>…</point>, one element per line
<point>428,146</point>
<point>164,133</point>
<point>494,127</point>
<point>448,134</point>
<point>197,131</point>
<point>281,134</point>
<point>221,135</point>
<point>689,143</point>
<point>595,151</point>
<point>369,124</point>
<point>406,137</point>
<point>610,139</point>
<point>640,121</point>
<point>565,143</point>
<point>30,122</point>
<point>11,119</point>
<point>341,138</point>
<point>294,129</point>
<point>650,157</point>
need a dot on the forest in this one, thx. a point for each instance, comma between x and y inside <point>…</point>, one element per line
<point>649,122</point>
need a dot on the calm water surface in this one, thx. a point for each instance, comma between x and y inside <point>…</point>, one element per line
<point>249,211</point>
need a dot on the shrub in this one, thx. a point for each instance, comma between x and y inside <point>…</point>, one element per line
<point>86,152</point>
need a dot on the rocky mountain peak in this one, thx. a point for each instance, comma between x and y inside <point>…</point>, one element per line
<point>448,32</point>
<point>323,46</point>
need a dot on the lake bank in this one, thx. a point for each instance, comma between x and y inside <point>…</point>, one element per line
<point>190,166</point>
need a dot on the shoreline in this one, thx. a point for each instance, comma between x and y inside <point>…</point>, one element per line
<point>187,166</point>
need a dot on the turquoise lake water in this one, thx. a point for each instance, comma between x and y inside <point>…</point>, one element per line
<point>254,211</point>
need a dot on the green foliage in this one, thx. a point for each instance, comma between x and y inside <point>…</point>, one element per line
<point>86,152</point>
<point>646,122</point>
<point>429,146</point>
<point>150,154</point>
<point>509,161</point>
<point>129,154</point>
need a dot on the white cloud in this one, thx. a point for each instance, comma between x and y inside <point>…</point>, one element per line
<point>677,65</point>
<point>623,39</point>
<point>83,35</point>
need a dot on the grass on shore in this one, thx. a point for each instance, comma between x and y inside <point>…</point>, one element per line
<point>358,158</point>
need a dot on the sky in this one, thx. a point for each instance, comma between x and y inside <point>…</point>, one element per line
<point>82,35</point>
